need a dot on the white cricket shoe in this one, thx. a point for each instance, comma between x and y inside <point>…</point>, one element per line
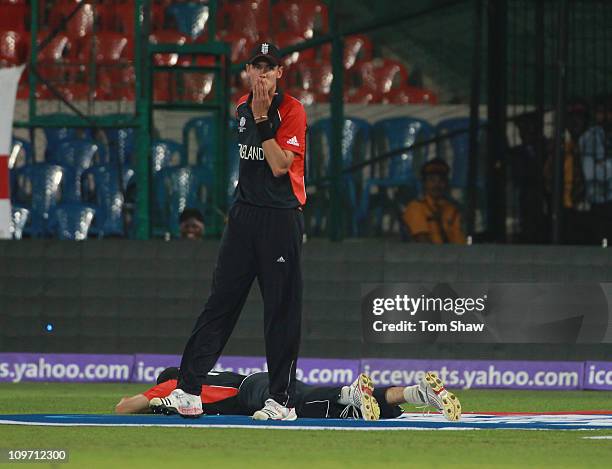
<point>432,390</point>
<point>360,397</point>
<point>178,402</point>
<point>274,411</point>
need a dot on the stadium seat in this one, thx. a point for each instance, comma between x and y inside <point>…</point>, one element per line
<point>15,16</point>
<point>71,221</point>
<point>113,56</point>
<point>247,19</point>
<point>285,39</point>
<point>121,145</point>
<point>167,37</point>
<point>240,46</point>
<point>102,188</point>
<point>80,25</point>
<point>55,135</point>
<point>407,94</point>
<point>203,132</point>
<point>455,149</point>
<point>21,153</point>
<point>401,170</point>
<point>355,145</point>
<point>76,156</point>
<point>304,17</point>
<point>315,77</point>
<point>189,18</point>
<point>76,92</point>
<point>123,19</point>
<point>13,47</point>
<point>19,219</point>
<point>357,49</point>
<point>38,187</point>
<point>379,77</point>
<point>165,83</point>
<point>197,86</point>
<point>166,153</point>
<point>52,63</point>
<point>178,188</point>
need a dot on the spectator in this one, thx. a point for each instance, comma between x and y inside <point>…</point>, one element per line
<point>576,123</point>
<point>596,150</point>
<point>528,178</point>
<point>434,218</point>
<point>191,224</point>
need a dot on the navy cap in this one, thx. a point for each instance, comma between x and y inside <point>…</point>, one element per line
<point>267,51</point>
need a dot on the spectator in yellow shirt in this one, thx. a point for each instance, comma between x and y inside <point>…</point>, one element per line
<point>434,218</point>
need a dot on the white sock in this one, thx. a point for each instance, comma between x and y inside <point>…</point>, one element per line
<point>412,395</point>
<point>344,396</point>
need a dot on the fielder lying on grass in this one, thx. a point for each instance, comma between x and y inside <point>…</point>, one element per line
<point>229,393</point>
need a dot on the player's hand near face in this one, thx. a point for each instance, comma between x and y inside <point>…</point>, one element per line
<point>261,99</point>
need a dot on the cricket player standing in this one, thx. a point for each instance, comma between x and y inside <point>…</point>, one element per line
<point>263,239</point>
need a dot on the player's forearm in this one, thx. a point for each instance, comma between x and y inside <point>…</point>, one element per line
<point>276,157</point>
<point>133,405</point>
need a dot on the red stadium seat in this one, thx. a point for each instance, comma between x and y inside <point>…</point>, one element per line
<point>362,95</point>
<point>314,77</point>
<point>13,47</point>
<point>80,25</point>
<point>286,39</point>
<point>301,17</point>
<point>111,53</point>
<point>357,48</point>
<point>106,47</point>
<point>241,46</point>
<point>15,16</point>
<point>378,77</point>
<point>197,87</point>
<point>409,95</point>
<point>77,92</point>
<point>164,83</point>
<point>167,37</point>
<point>246,20</point>
<point>123,18</point>
<point>52,64</point>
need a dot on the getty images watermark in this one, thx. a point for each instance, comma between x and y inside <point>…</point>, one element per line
<point>416,313</point>
<point>411,306</point>
<point>486,313</point>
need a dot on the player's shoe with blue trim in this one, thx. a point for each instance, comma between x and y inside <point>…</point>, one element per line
<point>177,402</point>
<point>360,397</point>
<point>274,411</point>
<point>433,392</point>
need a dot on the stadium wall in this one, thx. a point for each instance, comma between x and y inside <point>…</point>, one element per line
<point>126,297</point>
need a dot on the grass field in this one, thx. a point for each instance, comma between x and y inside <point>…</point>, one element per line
<point>95,447</point>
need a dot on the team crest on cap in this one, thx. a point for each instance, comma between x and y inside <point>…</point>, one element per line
<point>264,48</point>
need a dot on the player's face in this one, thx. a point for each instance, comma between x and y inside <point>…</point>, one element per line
<point>264,70</point>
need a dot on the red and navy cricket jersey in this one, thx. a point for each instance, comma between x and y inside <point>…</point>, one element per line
<point>256,183</point>
<point>219,395</point>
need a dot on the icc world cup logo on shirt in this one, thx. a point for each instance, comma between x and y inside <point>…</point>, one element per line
<point>241,124</point>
